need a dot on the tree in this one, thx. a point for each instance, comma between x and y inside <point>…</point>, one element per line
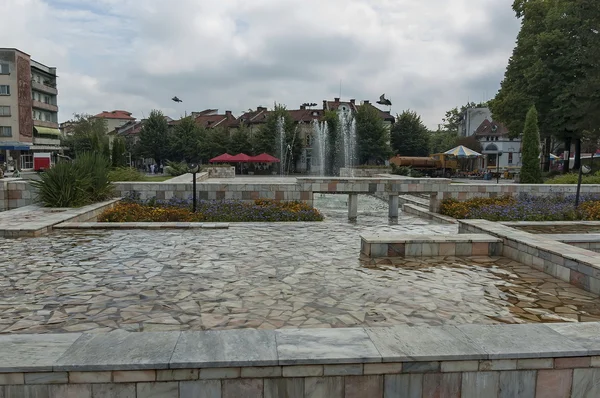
<point>470,142</point>
<point>240,141</point>
<point>154,137</point>
<point>531,172</point>
<point>372,138</point>
<point>89,135</point>
<point>453,117</point>
<point>267,138</point>
<point>554,66</point>
<point>213,142</point>
<point>410,137</point>
<point>442,140</point>
<point>119,152</point>
<point>185,141</point>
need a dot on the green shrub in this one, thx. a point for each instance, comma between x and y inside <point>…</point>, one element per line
<point>126,174</point>
<point>176,168</point>
<point>77,183</point>
<point>571,178</point>
<point>63,186</point>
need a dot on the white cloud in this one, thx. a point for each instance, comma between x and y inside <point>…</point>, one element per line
<point>233,54</point>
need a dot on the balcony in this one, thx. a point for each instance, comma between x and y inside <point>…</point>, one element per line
<point>44,88</point>
<point>46,141</point>
<point>44,106</point>
<point>43,123</point>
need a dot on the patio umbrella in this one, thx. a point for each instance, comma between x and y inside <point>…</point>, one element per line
<point>224,158</point>
<point>241,158</point>
<point>264,158</point>
<point>462,152</point>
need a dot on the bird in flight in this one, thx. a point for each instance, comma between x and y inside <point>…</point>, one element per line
<point>176,99</point>
<point>384,101</point>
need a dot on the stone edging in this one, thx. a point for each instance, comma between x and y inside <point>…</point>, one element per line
<point>141,225</point>
<point>117,351</point>
<point>426,214</point>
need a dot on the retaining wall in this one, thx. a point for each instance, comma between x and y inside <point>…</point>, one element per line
<point>470,361</point>
<point>219,172</point>
<point>367,172</point>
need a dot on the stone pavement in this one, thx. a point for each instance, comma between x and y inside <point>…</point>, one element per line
<point>263,276</point>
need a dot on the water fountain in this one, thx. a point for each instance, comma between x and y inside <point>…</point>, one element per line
<point>338,147</point>
<point>320,147</point>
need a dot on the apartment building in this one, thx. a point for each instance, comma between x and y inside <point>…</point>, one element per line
<point>28,109</point>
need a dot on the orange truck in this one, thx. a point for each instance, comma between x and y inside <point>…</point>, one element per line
<point>434,165</point>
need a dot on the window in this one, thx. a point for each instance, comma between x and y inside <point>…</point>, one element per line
<point>510,158</point>
<point>5,131</point>
<point>4,110</point>
<point>4,69</point>
<point>26,160</point>
<point>47,99</point>
<point>4,89</point>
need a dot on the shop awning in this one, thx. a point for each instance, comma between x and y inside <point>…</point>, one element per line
<point>47,130</point>
<point>14,146</point>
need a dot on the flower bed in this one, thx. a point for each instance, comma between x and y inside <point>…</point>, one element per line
<point>524,208</point>
<point>134,210</point>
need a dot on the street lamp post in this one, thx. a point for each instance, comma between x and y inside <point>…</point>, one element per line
<point>194,169</point>
<point>498,154</point>
<point>582,170</point>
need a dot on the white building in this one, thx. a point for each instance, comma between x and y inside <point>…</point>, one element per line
<point>496,143</point>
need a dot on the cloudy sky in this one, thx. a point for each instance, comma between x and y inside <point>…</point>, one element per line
<point>426,55</point>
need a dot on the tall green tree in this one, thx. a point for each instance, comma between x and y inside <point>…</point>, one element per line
<point>154,137</point>
<point>119,152</point>
<point>89,135</point>
<point>555,67</point>
<point>531,172</point>
<point>372,138</point>
<point>410,137</point>
<point>267,138</point>
<point>213,142</point>
<point>185,141</point>
<point>240,141</point>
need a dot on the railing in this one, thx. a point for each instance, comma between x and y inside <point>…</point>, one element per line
<point>43,105</point>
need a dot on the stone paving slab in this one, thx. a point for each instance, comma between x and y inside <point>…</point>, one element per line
<point>330,346</point>
<point>33,352</point>
<point>521,341</point>
<point>119,351</point>
<point>246,347</point>
<point>586,334</point>
<point>567,238</point>
<point>404,343</point>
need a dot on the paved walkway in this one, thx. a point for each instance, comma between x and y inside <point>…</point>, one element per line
<point>263,276</point>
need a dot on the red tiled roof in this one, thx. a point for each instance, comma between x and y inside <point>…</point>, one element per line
<point>209,121</point>
<point>115,115</point>
<point>491,128</point>
<point>385,115</point>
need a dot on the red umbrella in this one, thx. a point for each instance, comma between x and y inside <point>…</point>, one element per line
<point>265,158</point>
<point>241,158</point>
<point>224,158</point>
